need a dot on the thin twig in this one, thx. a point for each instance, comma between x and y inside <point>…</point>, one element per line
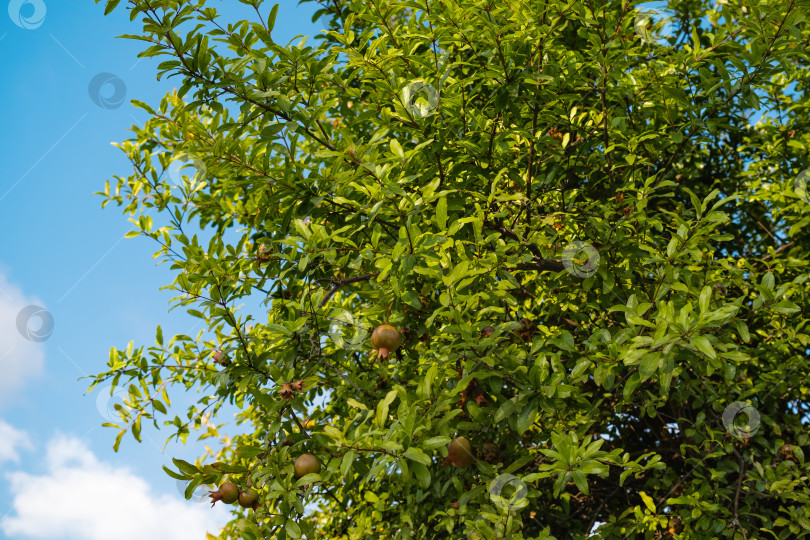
<point>737,496</point>
<point>343,282</point>
<point>779,250</point>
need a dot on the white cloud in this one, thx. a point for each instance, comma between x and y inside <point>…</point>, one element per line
<point>20,358</point>
<point>81,497</point>
<point>12,440</point>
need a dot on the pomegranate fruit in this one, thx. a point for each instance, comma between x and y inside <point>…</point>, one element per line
<point>263,253</point>
<point>221,359</point>
<point>490,453</point>
<point>786,452</point>
<point>460,452</point>
<point>227,493</point>
<point>386,339</point>
<point>247,499</point>
<point>306,464</point>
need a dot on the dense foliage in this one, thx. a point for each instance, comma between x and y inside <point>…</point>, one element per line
<point>589,225</point>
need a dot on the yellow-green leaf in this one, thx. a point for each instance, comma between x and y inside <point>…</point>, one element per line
<point>648,502</point>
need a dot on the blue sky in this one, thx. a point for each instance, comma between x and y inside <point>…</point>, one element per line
<point>59,477</point>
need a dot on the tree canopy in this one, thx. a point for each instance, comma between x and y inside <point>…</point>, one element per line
<point>587,221</point>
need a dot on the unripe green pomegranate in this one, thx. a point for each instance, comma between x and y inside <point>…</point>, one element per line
<point>227,493</point>
<point>247,499</point>
<point>460,452</point>
<point>386,339</point>
<point>306,464</point>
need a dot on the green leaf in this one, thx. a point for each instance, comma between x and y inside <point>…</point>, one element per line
<point>506,409</point>
<point>136,428</point>
<point>416,454</point>
<point>189,491</point>
<point>648,502</point>
<point>348,462</point>
<point>742,330</point>
<point>292,528</point>
<point>672,246</point>
<point>248,451</point>
<point>581,480</point>
<point>118,438</point>
<point>158,405</point>
<point>459,271</point>
<point>271,18</point>
<point>174,474</point>
<point>135,102</point>
<point>785,307</point>
<point>307,479</point>
<point>423,392</point>
<point>412,299</point>
<point>111,5</point>
<point>630,385</point>
<point>396,148</point>
<point>565,341</point>
<point>705,298</point>
<point>703,344</point>
<point>527,416</point>
<point>186,467</point>
<point>351,402</point>
<point>649,364</point>
<point>422,474</point>
<point>441,214</point>
<point>695,201</point>
<point>382,408</point>
<point>563,445</point>
<point>436,442</point>
<point>768,281</point>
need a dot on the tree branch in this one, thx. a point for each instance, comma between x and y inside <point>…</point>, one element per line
<point>343,282</point>
<point>554,265</point>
